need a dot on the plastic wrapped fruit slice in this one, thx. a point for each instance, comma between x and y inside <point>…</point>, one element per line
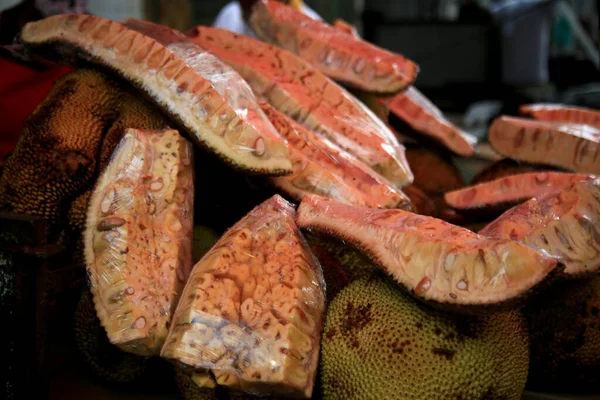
<point>435,260</point>
<point>338,54</point>
<point>351,170</point>
<point>423,116</point>
<point>511,189</point>
<point>213,121</point>
<point>252,309</point>
<point>295,88</point>
<point>572,146</point>
<point>565,225</point>
<point>562,113</point>
<point>138,239</point>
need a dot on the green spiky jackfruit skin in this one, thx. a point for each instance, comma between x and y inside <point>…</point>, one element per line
<point>204,239</point>
<point>190,391</point>
<point>378,343</point>
<point>105,360</point>
<point>564,327</point>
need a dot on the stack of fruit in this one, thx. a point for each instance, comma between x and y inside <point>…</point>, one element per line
<point>358,293</point>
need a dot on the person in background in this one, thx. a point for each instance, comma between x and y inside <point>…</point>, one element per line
<point>234,15</point>
<point>22,86</point>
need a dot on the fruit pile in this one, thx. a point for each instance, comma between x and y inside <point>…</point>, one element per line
<point>166,154</point>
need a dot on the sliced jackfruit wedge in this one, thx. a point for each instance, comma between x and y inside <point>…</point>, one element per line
<point>562,113</point>
<point>565,225</point>
<point>169,73</point>
<point>252,309</point>
<point>138,239</point>
<point>511,189</point>
<point>435,260</point>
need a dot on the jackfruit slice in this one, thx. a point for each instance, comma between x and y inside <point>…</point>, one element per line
<point>105,360</point>
<point>56,155</point>
<point>565,339</point>
<point>565,225</point>
<point>138,240</point>
<point>295,88</point>
<point>251,311</point>
<point>575,147</point>
<point>434,173</point>
<point>380,344</point>
<point>340,55</point>
<point>562,113</point>
<point>505,167</point>
<point>436,261</point>
<point>511,189</point>
<point>169,73</point>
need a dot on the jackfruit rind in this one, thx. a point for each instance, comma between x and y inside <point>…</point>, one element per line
<point>441,263</point>
<point>251,311</point>
<point>565,225</point>
<point>138,239</point>
<point>565,339</point>
<point>105,360</point>
<point>189,390</point>
<point>204,239</point>
<point>56,154</point>
<point>171,81</point>
<point>380,344</point>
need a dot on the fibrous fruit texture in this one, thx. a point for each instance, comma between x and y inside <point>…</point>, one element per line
<point>105,360</point>
<point>251,311</point>
<point>572,146</point>
<point>562,113</point>
<point>56,155</point>
<point>331,157</point>
<point>565,225</point>
<point>511,189</point>
<point>380,344</point>
<point>295,88</point>
<point>435,260</point>
<point>338,54</point>
<point>138,239</point>
<point>423,116</point>
<point>565,339</point>
<point>168,73</point>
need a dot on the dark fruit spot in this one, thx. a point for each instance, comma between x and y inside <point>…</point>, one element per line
<point>446,353</point>
<point>437,331</point>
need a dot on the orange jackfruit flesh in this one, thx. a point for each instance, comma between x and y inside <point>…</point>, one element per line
<point>436,261</point>
<point>251,311</point>
<point>565,225</point>
<point>56,155</point>
<point>562,113</point>
<point>168,74</point>
<point>138,239</point>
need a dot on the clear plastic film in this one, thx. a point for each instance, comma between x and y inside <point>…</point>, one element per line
<point>336,52</point>
<point>380,192</point>
<point>295,88</point>
<point>160,62</point>
<point>562,113</point>
<point>138,239</point>
<point>565,225</point>
<point>252,310</point>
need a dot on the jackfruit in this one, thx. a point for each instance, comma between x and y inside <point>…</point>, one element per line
<point>434,173</point>
<point>564,326</point>
<point>380,344</point>
<point>189,390</point>
<point>55,156</point>
<point>105,360</point>
<point>204,239</point>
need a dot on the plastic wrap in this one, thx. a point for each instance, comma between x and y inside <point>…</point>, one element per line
<point>434,260</point>
<point>295,88</point>
<point>338,54</point>
<point>562,113</point>
<point>511,188</point>
<point>351,170</point>
<point>423,116</point>
<point>571,146</point>
<point>565,225</point>
<point>149,61</point>
<point>252,310</point>
<point>138,238</point>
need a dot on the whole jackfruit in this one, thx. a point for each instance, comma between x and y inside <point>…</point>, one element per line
<point>380,344</point>
<point>105,360</point>
<point>55,156</point>
<point>564,327</point>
